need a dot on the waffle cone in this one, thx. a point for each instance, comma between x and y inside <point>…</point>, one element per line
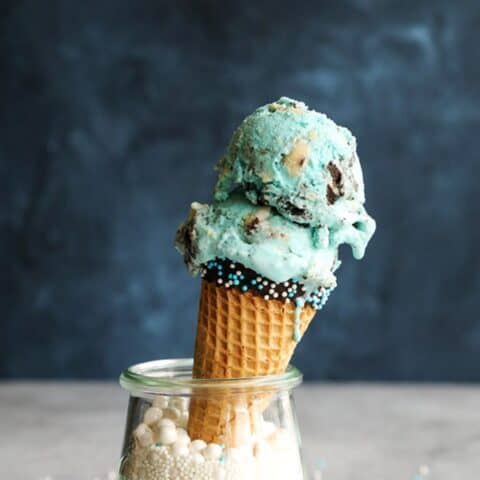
<point>238,335</point>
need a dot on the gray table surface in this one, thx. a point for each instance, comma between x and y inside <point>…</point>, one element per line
<point>73,431</point>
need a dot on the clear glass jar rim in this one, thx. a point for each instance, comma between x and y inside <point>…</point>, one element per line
<point>175,376</point>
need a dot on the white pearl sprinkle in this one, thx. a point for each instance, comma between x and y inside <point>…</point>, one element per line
<point>166,422</point>
<point>287,300</point>
<point>152,415</point>
<point>212,452</point>
<point>259,279</point>
<point>182,437</point>
<point>265,282</point>
<point>273,285</point>
<point>180,450</point>
<point>286,283</point>
<point>198,458</point>
<point>144,435</point>
<point>198,446</point>
<point>284,294</point>
<point>238,272</point>
<point>234,454</point>
<point>271,291</point>
<point>167,435</point>
<point>275,295</point>
<point>183,421</point>
<point>178,402</point>
<point>232,265</point>
<point>219,281</point>
<point>171,413</point>
<point>160,402</point>
<point>220,474</point>
<point>266,297</point>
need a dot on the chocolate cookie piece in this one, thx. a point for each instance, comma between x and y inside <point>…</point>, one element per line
<point>335,187</point>
<point>186,237</point>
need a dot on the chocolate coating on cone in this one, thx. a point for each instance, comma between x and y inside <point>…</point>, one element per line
<point>228,274</point>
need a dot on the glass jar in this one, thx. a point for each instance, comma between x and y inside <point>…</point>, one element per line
<point>246,428</point>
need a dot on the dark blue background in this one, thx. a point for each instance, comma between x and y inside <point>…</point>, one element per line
<point>113,114</point>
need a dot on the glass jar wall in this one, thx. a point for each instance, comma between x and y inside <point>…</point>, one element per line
<point>179,428</point>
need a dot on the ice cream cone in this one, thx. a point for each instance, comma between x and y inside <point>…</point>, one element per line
<point>289,192</point>
<point>239,334</point>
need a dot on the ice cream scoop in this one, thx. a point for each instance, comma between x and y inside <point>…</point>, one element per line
<point>260,238</point>
<point>299,162</point>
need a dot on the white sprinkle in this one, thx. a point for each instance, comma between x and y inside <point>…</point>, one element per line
<point>284,294</point>
<point>198,446</point>
<point>232,265</point>
<point>289,289</point>
<point>265,282</point>
<point>259,279</point>
<point>212,452</point>
<point>180,450</point>
<point>167,435</point>
<point>198,458</point>
<point>166,422</point>
<point>182,437</point>
<point>286,283</point>
<point>144,435</point>
<point>238,272</point>
<point>304,288</point>
<point>273,285</point>
<point>160,402</point>
<point>220,474</point>
<point>287,300</point>
<point>220,281</point>
<point>183,420</point>
<point>152,415</point>
<point>266,297</point>
<point>178,402</point>
<point>171,413</point>
<point>275,295</point>
<point>271,291</point>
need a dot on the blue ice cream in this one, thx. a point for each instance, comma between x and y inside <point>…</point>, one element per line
<point>289,193</point>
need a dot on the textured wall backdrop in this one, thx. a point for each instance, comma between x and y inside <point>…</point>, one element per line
<point>112,115</point>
